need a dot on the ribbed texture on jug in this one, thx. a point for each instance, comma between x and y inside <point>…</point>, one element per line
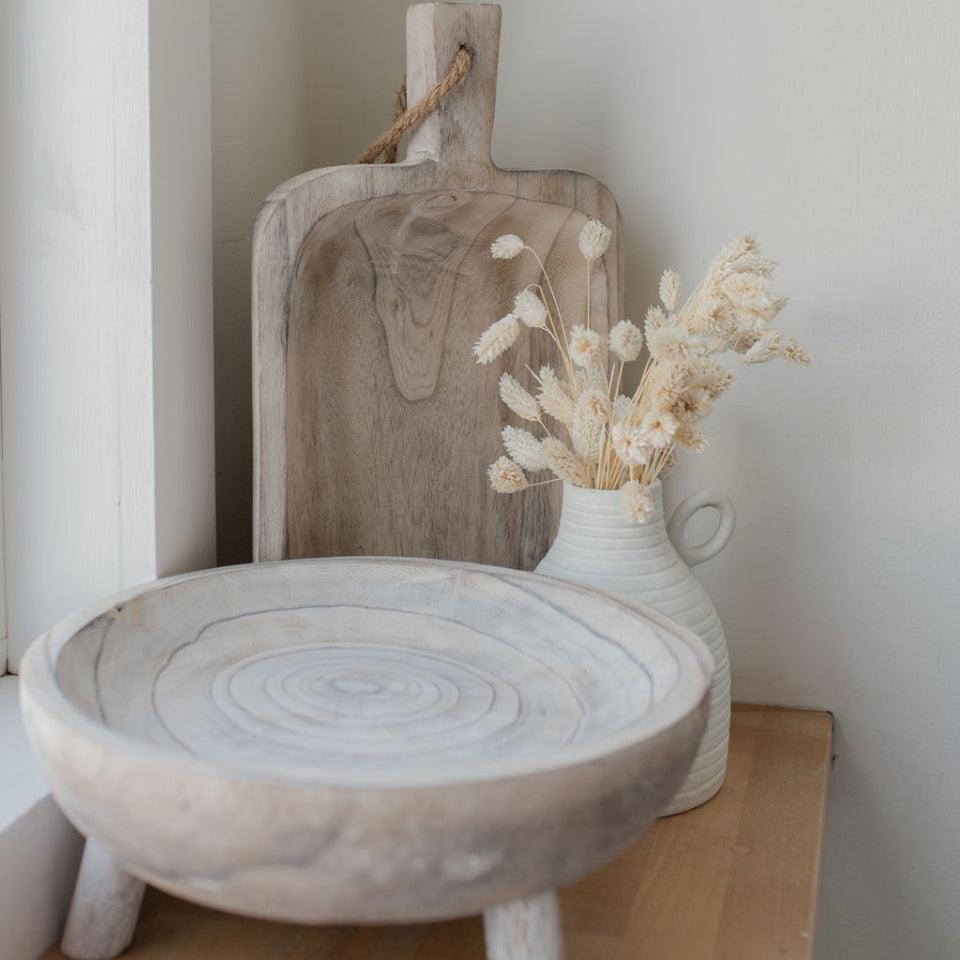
<point>597,547</point>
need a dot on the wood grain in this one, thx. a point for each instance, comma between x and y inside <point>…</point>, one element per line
<point>362,739</point>
<point>735,879</point>
<point>373,425</point>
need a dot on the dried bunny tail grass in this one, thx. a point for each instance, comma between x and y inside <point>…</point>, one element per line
<point>524,448</point>
<point>636,501</point>
<point>671,344</point>
<point>712,316</point>
<point>754,263</point>
<point>594,239</point>
<point>621,407</point>
<point>523,404</point>
<point>626,341</point>
<point>771,344</point>
<point>595,404</point>
<point>693,403</point>
<point>497,339</point>
<point>690,438</point>
<point>530,310</point>
<point>654,320</point>
<point>658,427</point>
<point>553,397</point>
<point>565,463</point>
<point>671,289</point>
<point>629,445</point>
<point>588,377</point>
<point>506,477</point>
<point>586,433</point>
<point>584,347</point>
<point>710,375</point>
<point>733,253</point>
<point>506,247</point>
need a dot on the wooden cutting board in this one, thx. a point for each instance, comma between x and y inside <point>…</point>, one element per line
<point>373,424</point>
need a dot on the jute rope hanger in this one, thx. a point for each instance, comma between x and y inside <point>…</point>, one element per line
<point>404,119</point>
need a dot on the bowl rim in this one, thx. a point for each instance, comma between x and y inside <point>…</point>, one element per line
<point>40,688</point>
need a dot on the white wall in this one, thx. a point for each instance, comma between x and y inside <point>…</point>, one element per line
<point>831,130</point>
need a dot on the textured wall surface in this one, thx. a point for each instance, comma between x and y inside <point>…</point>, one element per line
<point>831,131</point>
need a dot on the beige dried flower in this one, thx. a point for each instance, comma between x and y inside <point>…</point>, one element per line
<point>754,263</point>
<point>621,407</point>
<point>506,477</point>
<point>772,343</point>
<point>553,397</point>
<point>689,437</point>
<point>530,309</point>
<point>565,463</point>
<point>671,289</point>
<point>626,341</point>
<point>712,316</point>
<point>654,320</point>
<point>594,239</point>
<point>710,375</point>
<point>585,346</point>
<point>733,253</point>
<point>595,404</point>
<point>668,344</point>
<point>636,501</point>
<point>497,339</point>
<point>524,448</point>
<point>523,404</point>
<point>506,247</point>
<point>658,427</point>
<point>630,445</point>
<point>586,435</point>
<point>754,302</point>
<point>693,403</point>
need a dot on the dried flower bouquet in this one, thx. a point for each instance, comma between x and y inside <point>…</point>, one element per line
<point>616,441</point>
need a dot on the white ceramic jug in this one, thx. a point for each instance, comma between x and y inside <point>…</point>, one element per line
<point>650,562</point>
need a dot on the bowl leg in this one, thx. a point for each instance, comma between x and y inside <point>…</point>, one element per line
<point>103,914</point>
<point>527,929</point>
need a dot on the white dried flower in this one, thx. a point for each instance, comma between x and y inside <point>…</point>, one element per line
<point>595,404</point>
<point>658,427</point>
<point>753,301</point>
<point>524,448</point>
<point>654,320</point>
<point>754,263</point>
<point>693,403</point>
<point>667,344</point>
<point>712,316</point>
<point>636,501</point>
<point>506,247</point>
<point>621,407</point>
<point>594,239</point>
<point>587,436</point>
<point>772,343</point>
<point>733,253</point>
<point>689,437</point>
<point>671,289</point>
<point>506,477</point>
<point>530,309</point>
<point>630,445</point>
<point>711,376</point>
<point>553,398</point>
<point>565,463</point>
<point>523,404</point>
<point>497,339</point>
<point>626,341</point>
<point>584,346</point>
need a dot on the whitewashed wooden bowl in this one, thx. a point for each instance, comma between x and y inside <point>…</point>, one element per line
<point>359,740</point>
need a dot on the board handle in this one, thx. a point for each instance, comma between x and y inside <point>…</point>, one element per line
<point>456,134</point>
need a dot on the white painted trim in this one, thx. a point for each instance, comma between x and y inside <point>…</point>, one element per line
<point>107,342</point>
<point>105,345</point>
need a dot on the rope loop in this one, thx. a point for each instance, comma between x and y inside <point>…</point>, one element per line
<point>404,119</point>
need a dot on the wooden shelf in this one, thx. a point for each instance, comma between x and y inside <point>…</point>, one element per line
<point>736,878</point>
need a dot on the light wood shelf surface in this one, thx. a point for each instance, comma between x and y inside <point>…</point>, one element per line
<point>735,879</point>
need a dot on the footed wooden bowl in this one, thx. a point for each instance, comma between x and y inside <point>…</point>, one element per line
<point>359,740</point>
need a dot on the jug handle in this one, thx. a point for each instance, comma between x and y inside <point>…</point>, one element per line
<point>692,555</point>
